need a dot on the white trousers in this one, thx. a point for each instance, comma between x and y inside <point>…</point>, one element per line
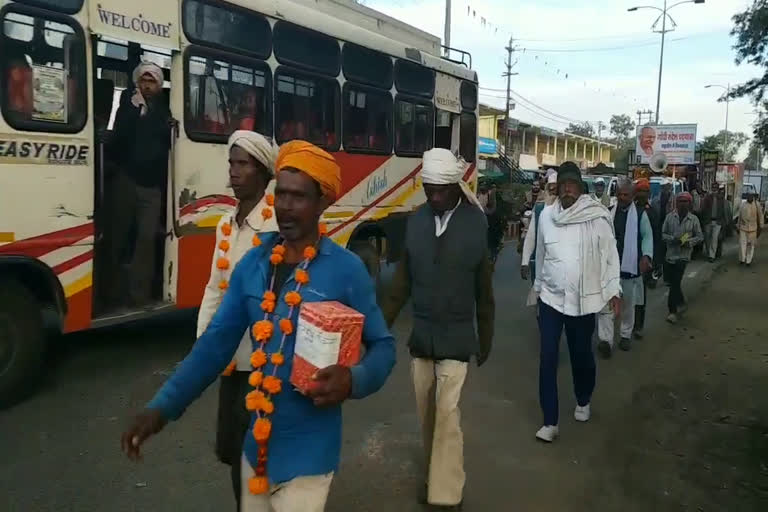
<point>712,236</point>
<point>746,246</point>
<point>438,385</point>
<point>302,494</point>
<point>631,288</point>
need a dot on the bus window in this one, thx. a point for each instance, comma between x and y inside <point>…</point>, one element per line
<point>413,127</point>
<point>225,94</point>
<point>305,108</point>
<point>65,6</point>
<point>415,79</point>
<point>367,120</point>
<point>43,73</point>
<point>468,96</point>
<point>367,66</point>
<point>305,48</point>
<point>468,137</point>
<point>227,27</point>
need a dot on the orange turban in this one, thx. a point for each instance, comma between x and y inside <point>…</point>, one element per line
<point>316,163</point>
<point>643,184</point>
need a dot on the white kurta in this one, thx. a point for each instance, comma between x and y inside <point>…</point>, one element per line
<point>240,241</point>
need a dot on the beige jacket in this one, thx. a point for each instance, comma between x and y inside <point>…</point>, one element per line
<point>241,241</point>
<point>750,217</point>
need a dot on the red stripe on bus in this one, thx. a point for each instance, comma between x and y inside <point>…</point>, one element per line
<point>70,264</point>
<point>37,246</point>
<point>376,202</point>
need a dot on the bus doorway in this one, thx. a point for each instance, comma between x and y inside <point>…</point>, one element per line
<point>133,125</point>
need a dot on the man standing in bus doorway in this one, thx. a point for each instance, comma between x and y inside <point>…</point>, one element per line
<point>750,226</point>
<point>634,243</point>
<point>446,271</point>
<point>139,147</point>
<point>292,448</point>
<point>251,168</point>
<point>577,274</point>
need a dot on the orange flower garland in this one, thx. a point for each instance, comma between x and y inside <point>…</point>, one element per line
<point>266,386</point>
<point>270,199</point>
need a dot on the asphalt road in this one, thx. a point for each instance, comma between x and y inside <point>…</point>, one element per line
<point>60,449</point>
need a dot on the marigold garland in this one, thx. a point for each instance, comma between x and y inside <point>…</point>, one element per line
<point>322,228</point>
<point>266,213</point>
<point>230,369</point>
<point>256,241</point>
<point>293,298</point>
<point>270,199</point>
<point>224,245</point>
<point>223,285</point>
<point>265,387</point>
<point>226,229</point>
<point>222,263</point>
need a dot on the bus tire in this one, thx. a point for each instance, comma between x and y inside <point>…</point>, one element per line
<point>370,257</point>
<point>22,342</point>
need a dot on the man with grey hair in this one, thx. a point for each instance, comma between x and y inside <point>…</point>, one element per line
<point>634,243</point>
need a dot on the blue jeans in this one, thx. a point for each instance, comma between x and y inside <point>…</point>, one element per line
<point>578,331</point>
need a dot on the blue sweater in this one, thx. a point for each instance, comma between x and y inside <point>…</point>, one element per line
<point>305,440</point>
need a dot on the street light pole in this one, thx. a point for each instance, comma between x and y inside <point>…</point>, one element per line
<point>447,33</point>
<point>727,89</point>
<point>661,59</point>
<point>664,15</point>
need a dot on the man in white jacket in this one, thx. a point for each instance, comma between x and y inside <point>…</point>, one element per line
<point>577,275</point>
<point>251,171</point>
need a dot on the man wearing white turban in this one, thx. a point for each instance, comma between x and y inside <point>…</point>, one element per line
<point>251,172</point>
<point>446,272</point>
<point>139,146</point>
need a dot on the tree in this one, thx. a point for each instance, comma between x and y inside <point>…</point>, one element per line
<point>752,161</point>
<point>622,128</point>
<point>751,31</point>
<point>584,129</point>
<point>715,143</point>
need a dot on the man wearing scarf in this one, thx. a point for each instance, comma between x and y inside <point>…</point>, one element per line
<point>577,274</point>
<point>681,232</point>
<point>251,172</point>
<point>446,271</point>
<point>139,146</point>
<point>634,242</point>
<point>304,442</point>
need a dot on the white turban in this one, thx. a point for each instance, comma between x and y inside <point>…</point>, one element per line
<point>441,167</point>
<point>552,178</point>
<point>142,69</point>
<point>256,145</point>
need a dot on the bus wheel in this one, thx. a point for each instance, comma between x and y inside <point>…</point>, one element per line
<point>367,252</point>
<point>22,342</point>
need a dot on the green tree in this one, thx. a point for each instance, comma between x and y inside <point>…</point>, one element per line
<point>752,161</point>
<point>751,31</point>
<point>717,142</point>
<point>584,129</point>
<point>623,130</point>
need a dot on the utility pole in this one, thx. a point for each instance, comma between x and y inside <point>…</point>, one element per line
<point>643,113</point>
<point>510,49</point>
<point>447,36</point>
<point>600,127</point>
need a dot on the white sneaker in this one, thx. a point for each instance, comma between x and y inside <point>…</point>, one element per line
<point>582,413</point>
<point>548,433</point>
<point>672,318</point>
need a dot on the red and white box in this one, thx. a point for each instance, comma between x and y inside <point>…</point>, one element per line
<point>327,333</point>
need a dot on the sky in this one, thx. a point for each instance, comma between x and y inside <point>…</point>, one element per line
<point>611,57</point>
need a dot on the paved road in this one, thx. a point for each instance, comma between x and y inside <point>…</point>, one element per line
<point>60,449</point>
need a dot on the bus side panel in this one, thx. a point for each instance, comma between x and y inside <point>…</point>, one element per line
<point>69,255</point>
<point>195,253</point>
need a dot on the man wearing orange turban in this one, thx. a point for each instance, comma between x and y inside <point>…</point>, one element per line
<point>314,162</point>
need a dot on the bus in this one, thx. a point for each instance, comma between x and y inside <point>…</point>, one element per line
<point>371,90</point>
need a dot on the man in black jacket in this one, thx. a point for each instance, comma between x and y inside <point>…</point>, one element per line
<point>139,147</point>
<point>446,272</point>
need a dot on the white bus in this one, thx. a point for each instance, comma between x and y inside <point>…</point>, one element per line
<point>373,91</point>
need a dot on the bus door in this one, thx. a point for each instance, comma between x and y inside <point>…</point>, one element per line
<point>132,225</point>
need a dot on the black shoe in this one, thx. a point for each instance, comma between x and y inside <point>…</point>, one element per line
<point>742,263</point>
<point>605,349</point>
<point>625,344</point>
<point>711,260</point>
<point>749,265</point>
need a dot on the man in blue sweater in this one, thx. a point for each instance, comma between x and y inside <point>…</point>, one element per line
<point>301,450</point>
